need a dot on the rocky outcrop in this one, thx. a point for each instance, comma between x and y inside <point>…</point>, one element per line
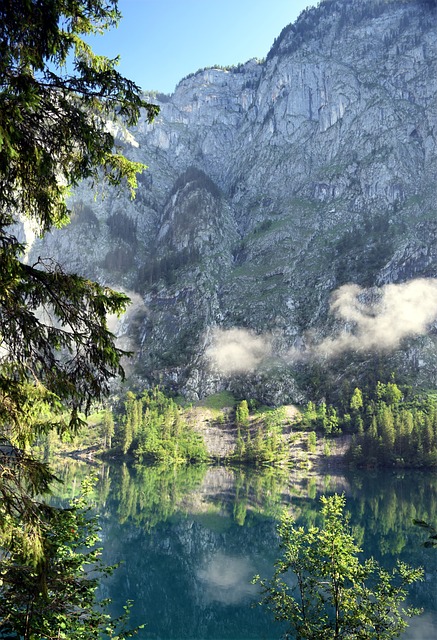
<point>270,185</point>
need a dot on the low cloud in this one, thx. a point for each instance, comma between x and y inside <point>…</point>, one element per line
<point>121,326</point>
<point>377,319</point>
<point>237,350</point>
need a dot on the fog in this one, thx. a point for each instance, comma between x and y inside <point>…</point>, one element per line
<point>376,319</point>
<point>237,350</point>
<point>121,326</point>
<point>379,319</point>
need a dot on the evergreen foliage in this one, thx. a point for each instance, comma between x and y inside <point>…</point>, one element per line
<point>108,429</point>
<point>431,531</point>
<point>312,441</point>
<point>388,430</point>
<point>55,344</point>
<point>261,442</point>
<point>56,597</point>
<point>151,427</point>
<point>57,354</point>
<point>313,22</point>
<point>147,495</point>
<point>393,432</point>
<point>321,418</point>
<point>242,414</point>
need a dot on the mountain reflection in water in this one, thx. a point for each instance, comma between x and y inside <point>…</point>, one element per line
<point>191,538</point>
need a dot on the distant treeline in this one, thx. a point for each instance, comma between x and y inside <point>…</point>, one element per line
<point>387,430</point>
<point>312,22</point>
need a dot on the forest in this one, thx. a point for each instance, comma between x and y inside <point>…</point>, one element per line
<point>61,108</point>
<point>386,427</point>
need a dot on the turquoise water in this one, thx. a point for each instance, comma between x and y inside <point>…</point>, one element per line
<point>191,539</point>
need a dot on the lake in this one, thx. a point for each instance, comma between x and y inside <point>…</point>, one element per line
<point>191,538</point>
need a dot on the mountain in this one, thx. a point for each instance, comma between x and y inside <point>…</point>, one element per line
<point>283,238</point>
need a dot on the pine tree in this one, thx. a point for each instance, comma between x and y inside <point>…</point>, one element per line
<point>57,598</point>
<point>322,419</point>
<point>356,403</point>
<point>108,428</point>
<point>386,428</point>
<point>53,134</point>
<point>242,414</point>
<point>333,420</point>
<point>309,415</point>
<point>127,434</point>
<point>312,441</point>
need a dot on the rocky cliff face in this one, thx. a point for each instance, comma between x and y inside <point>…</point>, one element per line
<point>270,186</point>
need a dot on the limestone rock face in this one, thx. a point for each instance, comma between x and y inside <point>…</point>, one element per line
<point>270,185</point>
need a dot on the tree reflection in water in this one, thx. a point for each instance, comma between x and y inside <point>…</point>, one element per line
<point>190,538</point>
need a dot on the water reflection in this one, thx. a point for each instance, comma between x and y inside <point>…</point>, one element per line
<point>226,578</point>
<point>191,538</point>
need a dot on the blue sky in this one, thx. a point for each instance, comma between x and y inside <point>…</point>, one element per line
<point>161,41</point>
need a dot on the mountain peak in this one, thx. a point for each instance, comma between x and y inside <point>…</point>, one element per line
<point>272,186</point>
